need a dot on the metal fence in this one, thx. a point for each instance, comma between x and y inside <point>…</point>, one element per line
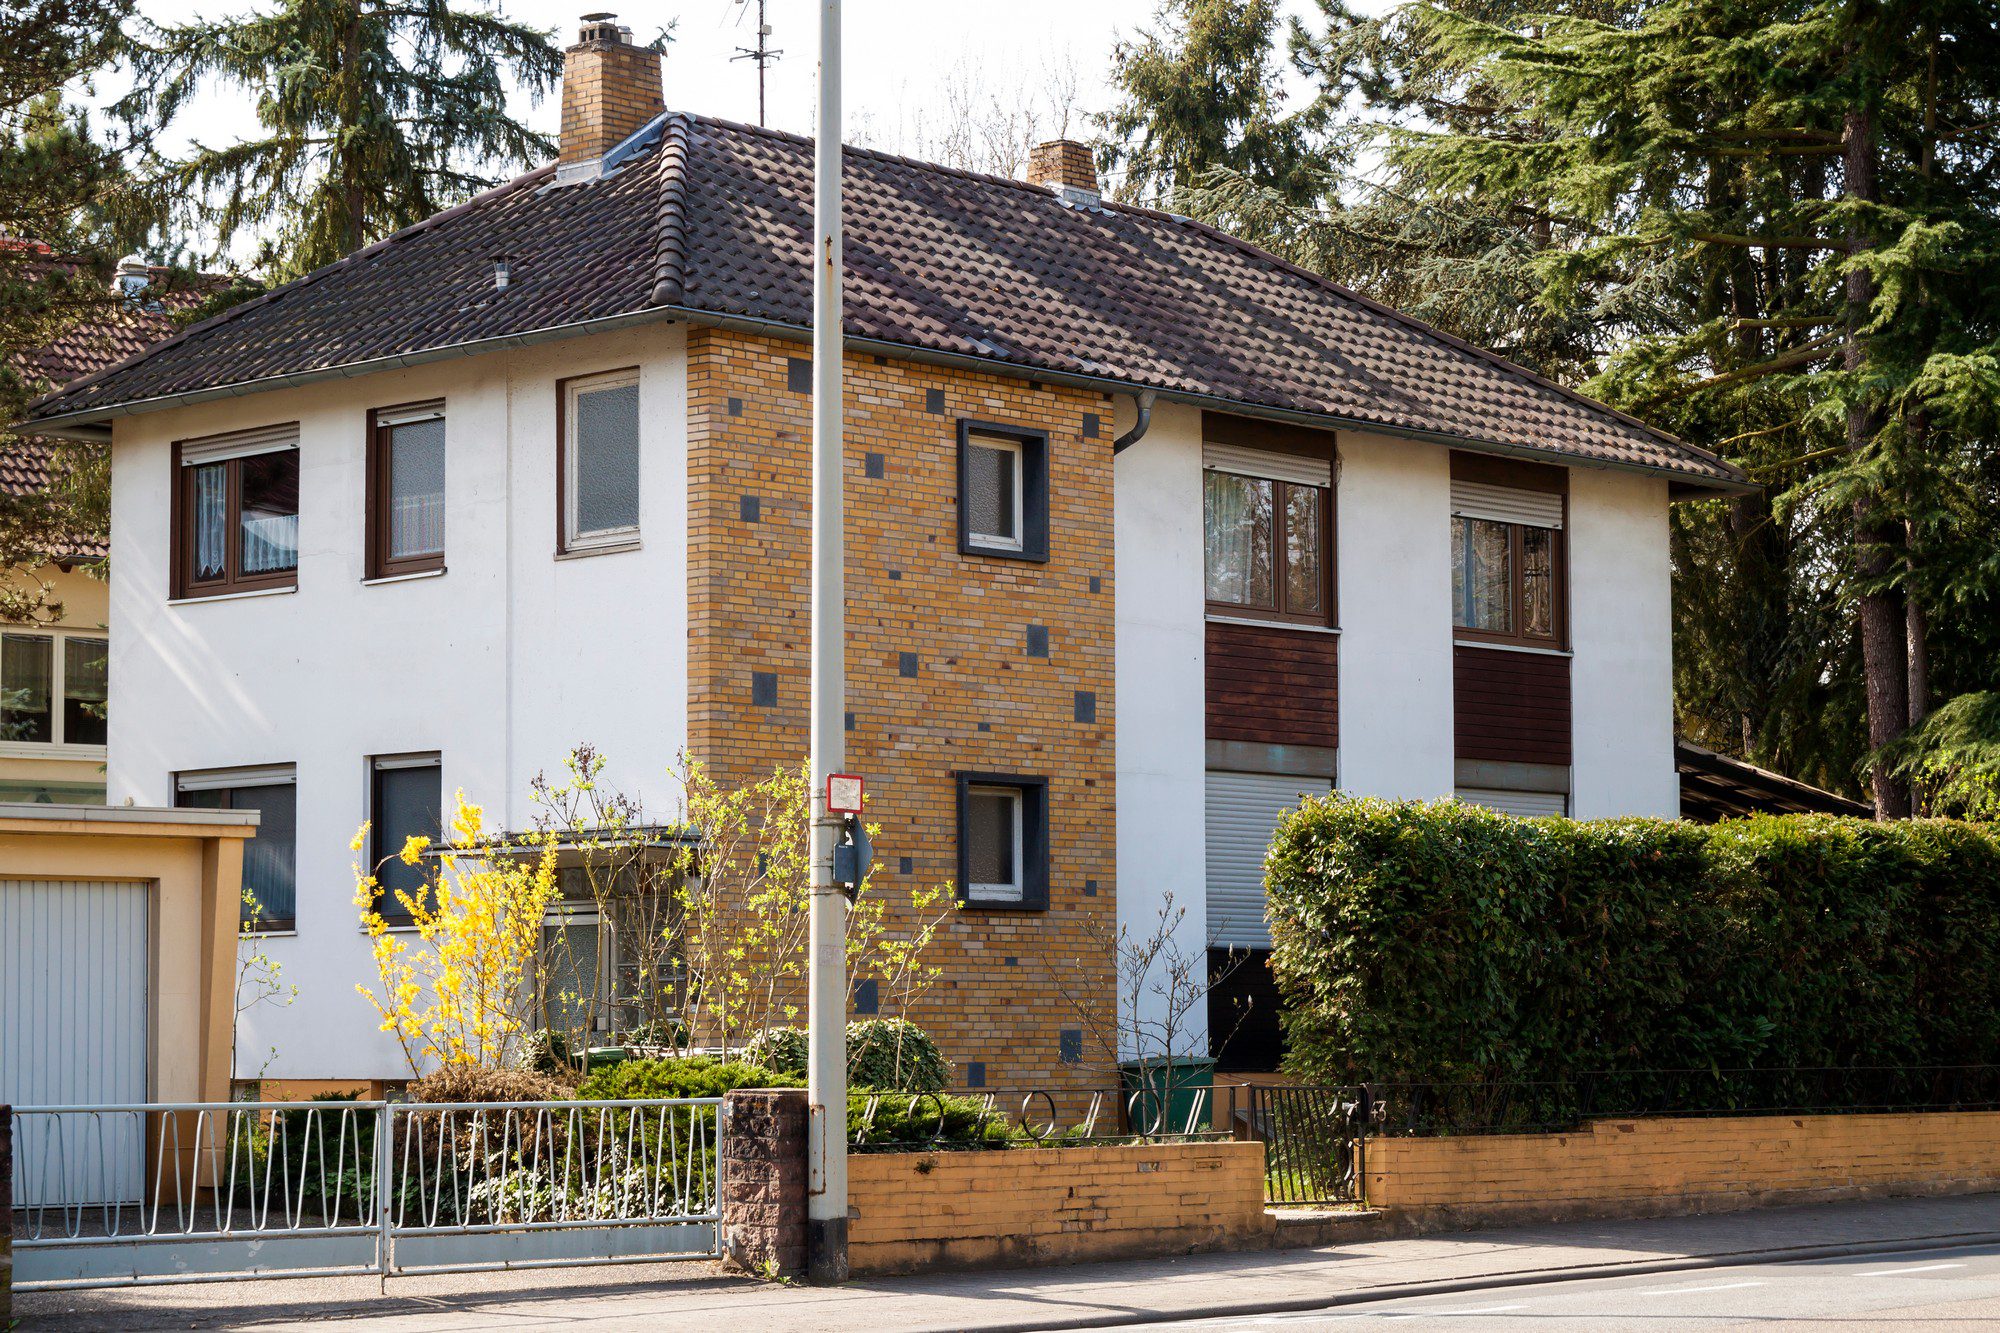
<point>1039,1117</point>
<point>1314,1137</point>
<point>198,1191</point>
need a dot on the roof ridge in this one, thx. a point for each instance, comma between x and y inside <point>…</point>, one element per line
<point>670,251</point>
<point>876,154</point>
<point>295,285</point>
<point>1450,339</point>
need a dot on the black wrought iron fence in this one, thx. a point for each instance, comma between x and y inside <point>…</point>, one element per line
<point>1315,1140</point>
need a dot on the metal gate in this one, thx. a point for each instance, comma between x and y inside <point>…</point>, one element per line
<point>234,1189</point>
<point>1315,1141</point>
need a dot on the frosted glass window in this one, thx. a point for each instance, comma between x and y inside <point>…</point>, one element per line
<point>993,842</point>
<point>416,489</point>
<point>603,460</point>
<point>993,487</point>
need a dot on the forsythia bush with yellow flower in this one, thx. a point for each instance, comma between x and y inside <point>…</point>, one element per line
<point>457,990</point>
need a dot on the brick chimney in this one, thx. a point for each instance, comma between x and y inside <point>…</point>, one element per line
<point>610,90</point>
<point>1065,166</point>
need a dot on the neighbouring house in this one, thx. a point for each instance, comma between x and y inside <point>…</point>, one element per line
<point>53,686</point>
<point>1148,533</point>
<point>1715,786</point>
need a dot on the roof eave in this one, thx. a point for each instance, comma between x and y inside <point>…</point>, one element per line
<point>93,423</point>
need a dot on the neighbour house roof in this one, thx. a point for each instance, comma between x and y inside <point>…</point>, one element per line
<point>123,331</point>
<point>1714,786</point>
<point>712,221</point>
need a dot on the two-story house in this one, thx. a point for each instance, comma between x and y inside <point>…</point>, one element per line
<point>1148,533</point>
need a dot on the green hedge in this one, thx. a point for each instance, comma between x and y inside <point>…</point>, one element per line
<point>886,1054</point>
<point>1447,942</point>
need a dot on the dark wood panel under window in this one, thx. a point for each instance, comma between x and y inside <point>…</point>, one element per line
<point>1272,686</point>
<point>1510,707</point>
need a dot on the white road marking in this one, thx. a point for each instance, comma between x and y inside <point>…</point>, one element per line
<point>1898,1272</point>
<point>1689,1291</point>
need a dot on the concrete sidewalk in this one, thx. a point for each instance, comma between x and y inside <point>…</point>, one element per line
<point>665,1297</point>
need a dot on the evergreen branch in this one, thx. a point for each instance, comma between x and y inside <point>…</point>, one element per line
<point>1818,349</point>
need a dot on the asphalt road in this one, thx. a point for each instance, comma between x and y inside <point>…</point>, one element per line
<point>1954,1288</point>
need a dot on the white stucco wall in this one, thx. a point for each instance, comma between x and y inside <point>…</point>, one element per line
<point>1621,629</point>
<point>500,664</point>
<point>1161,740</point>
<point>1393,504</point>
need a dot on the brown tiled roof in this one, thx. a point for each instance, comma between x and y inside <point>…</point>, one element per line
<point>715,219</point>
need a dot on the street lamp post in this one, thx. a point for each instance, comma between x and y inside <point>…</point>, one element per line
<point>826,1006</point>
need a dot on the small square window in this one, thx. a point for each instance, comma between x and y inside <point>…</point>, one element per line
<point>600,460</point>
<point>1003,841</point>
<point>1003,505</point>
<point>236,512</point>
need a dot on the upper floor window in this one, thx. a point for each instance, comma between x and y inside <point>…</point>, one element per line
<point>1266,525</point>
<point>598,449</point>
<point>1003,491</point>
<point>236,512</point>
<point>405,490</point>
<point>1507,557</point>
<point>53,688</point>
<point>270,860</point>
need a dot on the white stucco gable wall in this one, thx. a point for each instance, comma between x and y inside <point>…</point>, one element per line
<point>1621,630</point>
<point>1162,729</point>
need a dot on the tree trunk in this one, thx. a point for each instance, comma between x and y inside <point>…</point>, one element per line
<point>1884,645</point>
<point>1916,638</point>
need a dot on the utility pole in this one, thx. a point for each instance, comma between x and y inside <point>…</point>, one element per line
<point>826,1006</point>
<point>761,53</point>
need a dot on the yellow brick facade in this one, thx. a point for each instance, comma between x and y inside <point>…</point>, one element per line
<point>911,1212</point>
<point>977,702</point>
<point>1646,1165</point>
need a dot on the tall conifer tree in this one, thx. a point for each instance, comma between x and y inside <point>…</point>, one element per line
<point>372,115</point>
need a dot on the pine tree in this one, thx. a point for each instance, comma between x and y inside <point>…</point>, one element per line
<point>374,114</point>
<point>1202,91</point>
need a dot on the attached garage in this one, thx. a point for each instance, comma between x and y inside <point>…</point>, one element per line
<point>117,953</point>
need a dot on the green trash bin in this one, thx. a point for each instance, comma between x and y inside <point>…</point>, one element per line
<point>602,1057</point>
<point>1181,1085</point>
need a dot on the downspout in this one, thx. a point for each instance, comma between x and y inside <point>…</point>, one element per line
<point>1143,400</point>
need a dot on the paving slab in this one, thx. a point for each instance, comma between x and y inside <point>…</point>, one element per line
<point>656,1297</point>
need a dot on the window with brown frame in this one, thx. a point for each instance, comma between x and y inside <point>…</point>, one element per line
<point>236,513</point>
<point>405,489</point>
<point>1265,547</point>
<point>1506,582</point>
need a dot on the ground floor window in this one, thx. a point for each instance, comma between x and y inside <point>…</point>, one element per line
<point>405,800</point>
<point>1003,840</point>
<point>1243,812</point>
<point>270,860</point>
<point>1526,804</point>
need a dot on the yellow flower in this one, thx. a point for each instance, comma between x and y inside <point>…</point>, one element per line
<point>414,848</point>
<point>360,839</point>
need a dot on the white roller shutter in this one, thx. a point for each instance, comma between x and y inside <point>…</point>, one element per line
<point>240,444</point>
<point>75,972</point>
<point>1504,504</point>
<point>1526,804</point>
<point>1243,812</point>
<point>1264,463</point>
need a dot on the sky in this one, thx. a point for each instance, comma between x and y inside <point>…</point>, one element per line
<point>901,57</point>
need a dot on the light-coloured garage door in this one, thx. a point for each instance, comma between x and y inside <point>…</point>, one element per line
<point>74,980</point>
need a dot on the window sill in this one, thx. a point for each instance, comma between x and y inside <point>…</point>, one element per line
<point>1003,553</point>
<point>413,575</point>
<point>608,548</point>
<point>50,750</point>
<point>999,905</point>
<point>1214,619</point>
<point>197,599</point>
<point>1513,648</point>
<point>289,933</point>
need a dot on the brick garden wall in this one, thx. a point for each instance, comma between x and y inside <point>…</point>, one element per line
<point>1639,1167</point>
<point>954,662</point>
<point>911,1212</point>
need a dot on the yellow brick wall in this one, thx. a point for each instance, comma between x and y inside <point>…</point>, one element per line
<point>912,1211</point>
<point>978,701</point>
<point>1640,1160</point>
